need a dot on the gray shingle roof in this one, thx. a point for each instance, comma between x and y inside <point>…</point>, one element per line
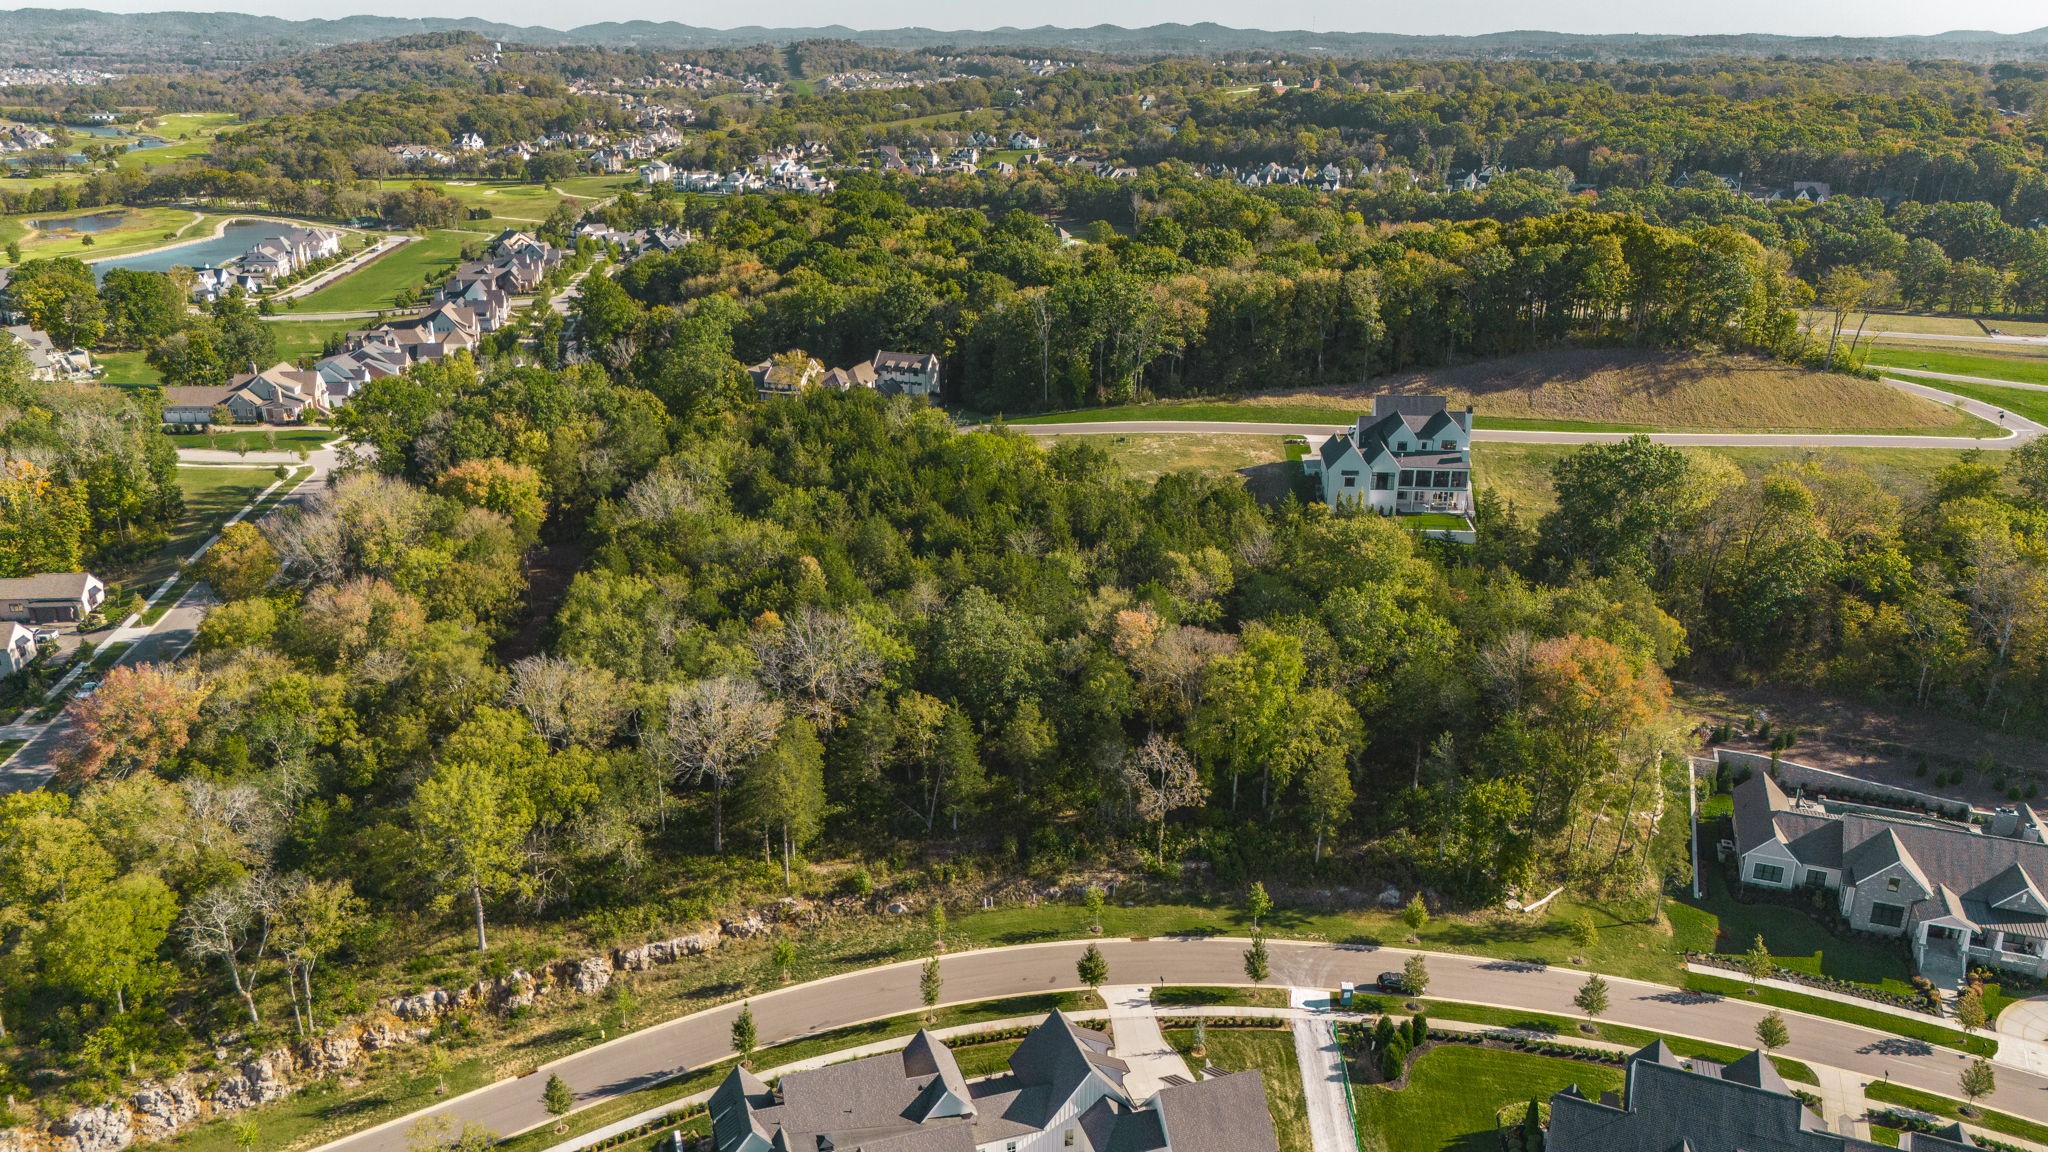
<point>1704,1108</point>
<point>46,586</point>
<point>1220,1114</point>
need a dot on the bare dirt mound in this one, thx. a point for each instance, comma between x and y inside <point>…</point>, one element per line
<point>1661,389</point>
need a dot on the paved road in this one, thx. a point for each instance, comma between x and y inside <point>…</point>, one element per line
<point>1945,338</point>
<point>2018,428</point>
<point>679,1046</point>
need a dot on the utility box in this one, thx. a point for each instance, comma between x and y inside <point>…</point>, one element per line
<point>1344,992</point>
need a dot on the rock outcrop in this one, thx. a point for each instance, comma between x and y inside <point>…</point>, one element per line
<point>262,1079</point>
<point>666,951</point>
<point>106,1128</point>
<point>161,1109</point>
<point>590,975</point>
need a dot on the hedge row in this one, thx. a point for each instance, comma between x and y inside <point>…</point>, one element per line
<point>1825,983</point>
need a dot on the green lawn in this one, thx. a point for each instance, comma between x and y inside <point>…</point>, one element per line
<point>1211,997</point>
<point>1435,520</point>
<point>418,265</point>
<point>1454,1092</point>
<point>2025,401</point>
<point>1567,1029</point>
<point>595,187</point>
<point>256,439</point>
<point>127,369</point>
<point>1271,1051</point>
<point>978,1060</point>
<point>1797,941</point>
<point>211,496</point>
<point>1873,1018</point>
<point>296,338</point>
<point>1890,1093</point>
<point>2022,368</point>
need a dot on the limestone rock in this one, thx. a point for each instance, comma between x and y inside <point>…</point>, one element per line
<point>665,951</point>
<point>424,1005</point>
<point>1390,897</point>
<point>162,1109</point>
<point>746,929</point>
<point>332,1053</point>
<point>379,1035</point>
<point>261,1081</point>
<point>516,990</point>
<point>590,975</point>
<point>897,908</point>
<point>13,1140</point>
<point>102,1129</point>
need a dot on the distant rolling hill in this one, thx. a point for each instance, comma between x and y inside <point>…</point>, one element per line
<point>82,38</point>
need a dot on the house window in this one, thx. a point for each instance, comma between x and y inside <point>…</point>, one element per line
<point>1892,885</point>
<point>1070,1137</point>
<point>1351,479</point>
<point>1407,478</point>
<point>1816,878</point>
<point>1443,480</point>
<point>1888,915</point>
<point>1457,479</point>
<point>1767,874</point>
<point>1382,481</point>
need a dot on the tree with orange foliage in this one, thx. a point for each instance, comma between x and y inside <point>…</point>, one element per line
<point>141,717</point>
<point>1587,696</point>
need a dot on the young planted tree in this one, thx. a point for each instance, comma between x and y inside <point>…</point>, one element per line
<point>782,957</point>
<point>557,1097</point>
<point>1970,1014</point>
<point>938,923</point>
<point>929,984</point>
<point>1200,1047</point>
<point>1415,974</point>
<point>1093,968</point>
<point>1092,899</point>
<point>745,1037</point>
<point>1757,963</point>
<point>1256,903</point>
<point>1771,1031</point>
<point>1585,933</point>
<point>1592,998</point>
<point>1416,914</point>
<point>1257,964</point>
<point>1978,1080</point>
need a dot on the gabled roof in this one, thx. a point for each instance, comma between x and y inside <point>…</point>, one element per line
<point>1217,1115</point>
<point>1876,853</point>
<point>47,586</point>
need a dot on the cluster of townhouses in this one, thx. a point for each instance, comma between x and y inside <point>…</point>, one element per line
<point>1409,456</point>
<point>890,373</point>
<point>474,302</point>
<point>1672,1104</point>
<point>620,156</point>
<point>1063,1091</point>
<point>1329,177</point>
<point>269,263</point>
<point>639,242</point>
<point>1964,887</point>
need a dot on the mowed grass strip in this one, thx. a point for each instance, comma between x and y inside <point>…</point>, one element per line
<point>1271,1052</point>
<point>1454,1092</point>
<point>1872,1018</point>
<point>1889,1093</point>
<point>376,285</point>
<point>2025,401</point>
<point>2022,368</point>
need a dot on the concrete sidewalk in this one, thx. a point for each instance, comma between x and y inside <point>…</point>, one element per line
<point>1324,1085</point>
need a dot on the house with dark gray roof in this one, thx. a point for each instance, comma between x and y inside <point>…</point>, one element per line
<point>1671,1104</point>
<point>51,597</point>
<point>1963,890</point>
<point>1063,1091</point>
<point>1410,455</point>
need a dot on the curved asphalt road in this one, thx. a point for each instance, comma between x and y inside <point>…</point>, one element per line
<point>690,1042</point>
<point>2018,428</point>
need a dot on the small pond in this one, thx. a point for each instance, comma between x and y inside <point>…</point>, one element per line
<point>95,222</point>
<point>239,237</point>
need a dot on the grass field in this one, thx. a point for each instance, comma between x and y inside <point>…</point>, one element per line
<point>1599,390</point>
<point>595,187</point>
<point>1925,325</point>
<point>211,496</point>
<point>1271,1051</point>
<point>2025,401</point>
<point>296,338</point>
<point>126,369</point>
<point>1493,1017</point>
<point>377,284</point>
<point>140,229</point>
<point>2019,366</point>
<point>1454,1092</point>
<point>1522,471</point>
<point>506,199</point>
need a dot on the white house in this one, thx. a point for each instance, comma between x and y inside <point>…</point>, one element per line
<point>17,648</point>
<point>657,172</point>
<point>1410,455</point>
<point>51,597</point>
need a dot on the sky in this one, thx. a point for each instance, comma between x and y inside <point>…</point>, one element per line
<point>1458,17</point>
